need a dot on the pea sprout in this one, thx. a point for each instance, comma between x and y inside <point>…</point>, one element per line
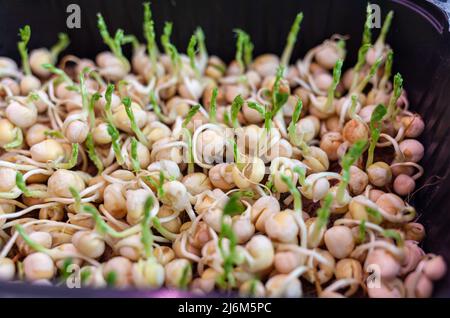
<point>25,35</point>
<point>396,93</point>
<point>373,69</point>
<point>236,106</point>
<point>184,280</point>
<point>201,41</point>
<point>134,127</point>
<point>165,37</point>
<point>114,44</point>
<point>115,142</point>
<point>65,270</point>
<point>16,142</point>
<point>278,98</point>
<point>72,161</point>
<point>134,155</point>
<point>130,38</point>
<point>85,274</point>
<point>30,242</point>
<point>375,130</point>
<point>94,98</point>
<point>191,54</point>
<point>76,196</point>
<point>301,172</point>
<point>213,106</point>
<point>394,235</point>
<point>337,70</point>
<point>20,183</point>
<point>190,115</point>
<point>362,52</point>
<point>387,69</point>
<point>367,33</point>
<point>375,214</point>
<point>231,258</point>
<point>54,134</point>
<point>295,117</point>
<point>158,185</point>
<point>92,153</point>
<point>101,226</point>
<point>111,279</point>
<point>384,29</point>
<point>61,45</point>
<point>149,34</point>
<point>291,39</point>
<point>347,161</point>
<point>295,193</point>
<point>244,49</point>
<point>147,236</point>
<point>362,231</point>
<point>162,230</point>
<point>323,215</point>
<point>59,72</point>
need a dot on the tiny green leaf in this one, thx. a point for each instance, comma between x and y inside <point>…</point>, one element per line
<point>291,39</point>
<point>25,35</point>
<point>213,106</point>
<point>375,130</point>
<point>236,106</point>
<point>190,115</point>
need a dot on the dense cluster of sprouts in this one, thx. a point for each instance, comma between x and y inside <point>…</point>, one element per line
<point>176,170</point>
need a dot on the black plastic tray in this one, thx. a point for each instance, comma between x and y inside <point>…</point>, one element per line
<point>419,36</point>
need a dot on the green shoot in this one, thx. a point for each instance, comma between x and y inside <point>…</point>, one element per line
<point>16,142</point>
<point>157,185</point>
<point>234,206</point>
<point>114,44</point>
<point>236,106</point>
<point>59,72</point>
<point>115,142</point>
<point>147,236</point>
<point>362,231</point>
<point>165,37</point>
<point>29,241</point>
<point>237,158</point>
<point>213,106</point>
<point>184,280</point>
<point>323,215</point>
<point>295,118</point>
<point>54,134</point>
<point>92,153</point>
<point>191,54</point>
<point>241,41</point>
<point>83,91</point>
<point>162,230</point>
<point>396,93</point>
<point>352,155</point>
<point>291,39</point>
<point>201,41</point>
<point>76,196</point>
<point>248,52</point>
<point>373,69</point>
<point>375,130</point>
<point>134,155</point>
<point>258,107</point>
<point>134,127</point>
<point>130,38</point>
<point>295,193</point>
<point>354,103</point>
<point>101,226</point>
<point>157,109</point>
<point>20,183</point>
<point>375,214</point>
<point>301,172</point>
<point>108,96</point>
<point>149,34</point>
<point>175,58</point>
<point>226,117</point>
<point>190,115</point>
<point>337,71</point>
<point>94,98</point>
<point>85,274</point>
<point>367,33</point>
<point>384,29</point>
<point>231,258</point>
<point>394,235</point>
<point>72,160</point>
<point>65,270</point>
<point>111,279</point>
<point>278,98</point>
<point>61,45</point>
<point>362,52</point>
<point>25,35</point>
<point>387,69</point>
